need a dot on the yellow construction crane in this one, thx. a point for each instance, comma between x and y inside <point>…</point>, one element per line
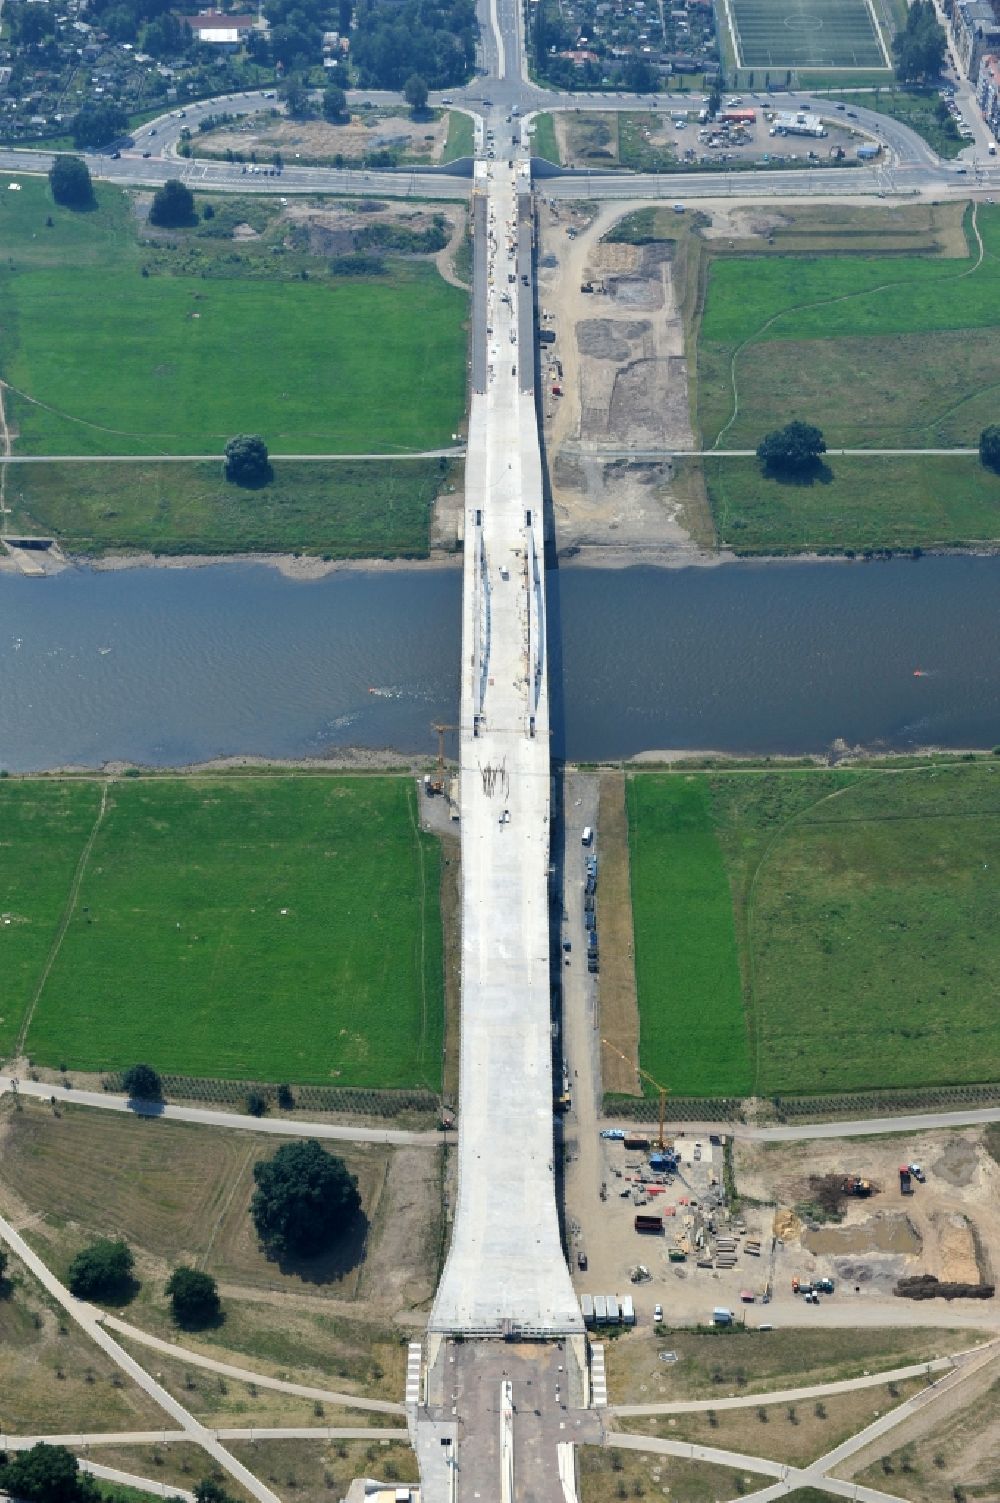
<point>442,730</point>
<point>661,1141</point>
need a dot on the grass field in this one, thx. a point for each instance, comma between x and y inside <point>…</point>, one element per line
<point>271,928</point>
<point>606,1471</point>
<point>884,391</point>
<point>543,139</point>
<point>344,509</point>
<point>859,899</point>
<point>461,137</point>
<point>692,1033</point>
<point>805,34</point>
<point>183,1193</point>
<point>767,298</point>
<point>855,505</point>
<point>883,351</point>
<point>712,1364</point>
<point>102,359</point>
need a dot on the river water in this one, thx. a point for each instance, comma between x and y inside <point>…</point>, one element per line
<point>170,666</point>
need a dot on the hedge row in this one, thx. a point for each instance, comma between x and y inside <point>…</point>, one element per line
<point>354,1100</point>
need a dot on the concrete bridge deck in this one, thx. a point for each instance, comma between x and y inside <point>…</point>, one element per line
<point>505,1273</point>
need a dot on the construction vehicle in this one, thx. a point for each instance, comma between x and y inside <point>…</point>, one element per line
<point>918,1173</point>
<point>661,1141</point>
<point>905,1180</point>
<point>823,1285</point>
<point>855,1186</point>
<point>436,785</point>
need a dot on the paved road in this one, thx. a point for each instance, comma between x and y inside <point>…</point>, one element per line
<point>75,1441</point>
<point>247,1375</point>
<point>285,1127</point>
<point>88,1318</point>
<point>859,1128</point>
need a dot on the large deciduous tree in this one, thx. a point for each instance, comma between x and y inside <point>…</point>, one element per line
<point>98,125</point>
<point>141,1083</point>
<point>989,447</point>
<point>305,1200</point>
<point>921,46</point>
<point>173,206</point>
<point>69,179</point>
<point>792,450</point>
<point>247,460</point>
<point>102,1271</point>
<point>194,1298</point>
<point>46,1474</point>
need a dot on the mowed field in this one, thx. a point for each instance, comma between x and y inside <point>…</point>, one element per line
<point>891,351</point>
<point>101,359</point>
<point>806,34</point>
<point>272,928</point>
<point>817,930</point>
<point>341,508</point>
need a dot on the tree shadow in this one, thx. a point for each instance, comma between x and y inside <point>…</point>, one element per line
<point>817,473</point>
<point>333,1263</point>
<point>252,482</point>
<point>118,1296</point>
<point>211,1323</point>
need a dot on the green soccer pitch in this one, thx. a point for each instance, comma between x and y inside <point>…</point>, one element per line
<point>805,34</point>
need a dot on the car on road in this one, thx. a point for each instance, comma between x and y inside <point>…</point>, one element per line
<point>147,153</point>
<point>842,108</point>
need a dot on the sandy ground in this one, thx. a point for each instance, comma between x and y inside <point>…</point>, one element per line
<point>318,140</point>
<point>949,1227</point>
<point>619,361</point>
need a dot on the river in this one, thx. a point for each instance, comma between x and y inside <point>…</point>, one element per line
<point>171,666</point>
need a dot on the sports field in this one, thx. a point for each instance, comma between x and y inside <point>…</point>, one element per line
<point>271,928</point>
<point>110,346</point>
<point>817,930</point>
<point>805,34</point>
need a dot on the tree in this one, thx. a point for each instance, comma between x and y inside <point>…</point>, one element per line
<point>173,205</point>
<point>98,125</point>
<point>246,460</point>
<point>305,1199</point>
<point>46,1474</point>
<point>141,1083</point>
<point>415,93</point>
<point>335,105</point>
<point>102,1271</point>
<point>256,1103</point>
<point>285,1098</point>
<point>791,450</point>
<point>210,1491</point>
<point>69,179</point>
<point>194,1298</point>
<point>921,46</point>
<point>989,447</point>
<point>3,1272</point>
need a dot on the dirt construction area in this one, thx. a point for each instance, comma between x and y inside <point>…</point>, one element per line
<point>358,139</point>
<point>793,1222</point>
<point>949,1226</point>
<point>614,389</point>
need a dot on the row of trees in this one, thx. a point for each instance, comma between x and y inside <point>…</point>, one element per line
<point>797,449</point>
<point>105,1270</point>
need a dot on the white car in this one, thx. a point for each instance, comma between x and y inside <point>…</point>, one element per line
<point>657,1314</point>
